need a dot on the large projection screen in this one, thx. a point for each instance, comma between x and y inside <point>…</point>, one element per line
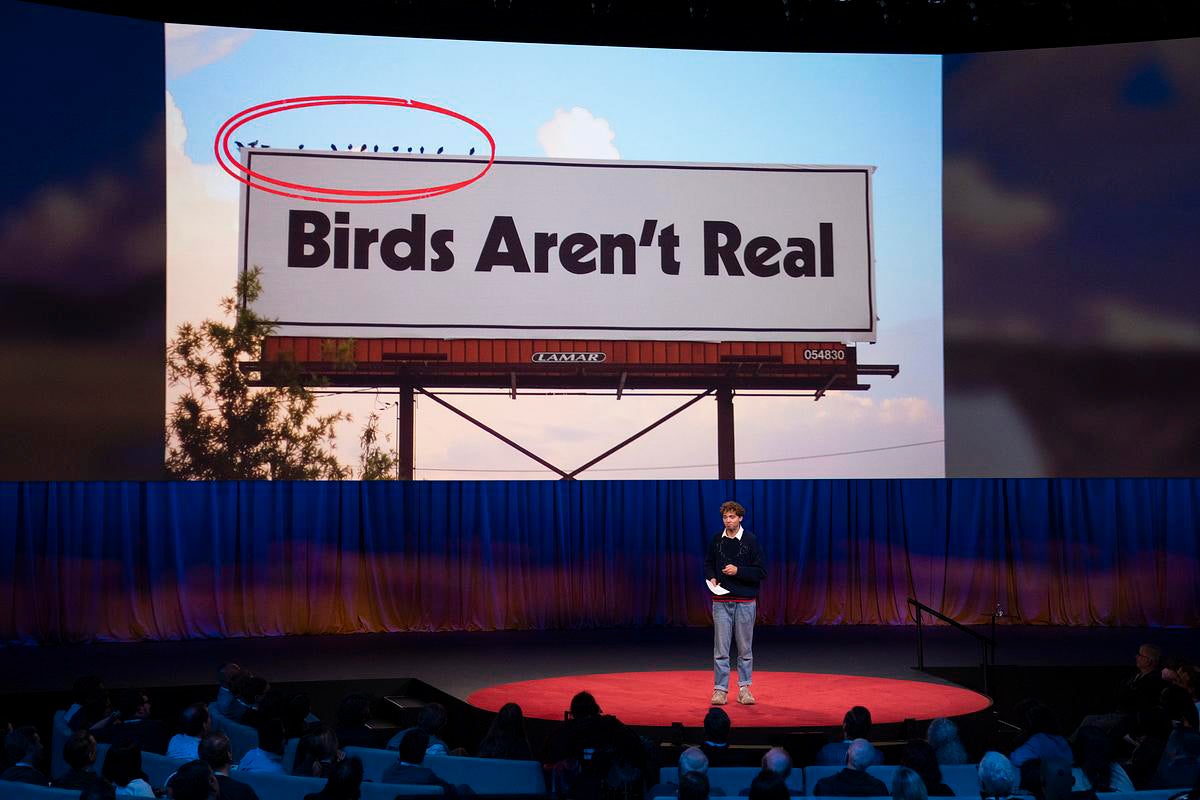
<point>684,196</point>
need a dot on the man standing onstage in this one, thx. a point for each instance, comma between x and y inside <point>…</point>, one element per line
<point>734,568</point>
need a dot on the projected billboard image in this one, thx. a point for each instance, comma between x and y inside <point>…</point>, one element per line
<point>551,249</point>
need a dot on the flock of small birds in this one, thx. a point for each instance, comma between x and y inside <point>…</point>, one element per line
<point>349,148</point>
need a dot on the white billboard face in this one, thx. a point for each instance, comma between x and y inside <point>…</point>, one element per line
<point>564,248</point>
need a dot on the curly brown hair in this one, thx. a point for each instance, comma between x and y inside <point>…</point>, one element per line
<point>732,506</point>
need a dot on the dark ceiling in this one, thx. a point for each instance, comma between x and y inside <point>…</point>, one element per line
<point>913,26</point>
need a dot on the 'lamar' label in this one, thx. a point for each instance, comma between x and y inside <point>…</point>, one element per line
<point>568,358</point>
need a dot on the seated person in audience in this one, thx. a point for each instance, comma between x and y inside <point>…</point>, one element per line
<point>693,786</point>
<point>345,781</point>
<point>943,738</point>
<point>506,737</point>
<point>1134,697</point>
<point>908,785</point>
<point>268,756</point>
<point>353,713</point>
<point>317,752</point>
<point>921,759</point>
<point>408,766</point>
<point>80,754</point>
<point>1189,679</point>
<point>137,725</point>
<point>227,702</point>
<point>1155,725</point>
<point>431,719</point>
<point>1095,766</point>
<point>96,715</point>
<point>777,760</point>
<point>716,738</point>
<point>248,693</point>
<point>853,781</point>
<point>23,750</point>
<point>80,690</point>
<point>1044,740</point>
<point>123,769</point>
<point>997,776</point>
<point>193,781</point>
<point>214,751</point>
<point>768,786</point>
<point>591,744</point>
<point>1180,762</point>
<point>691,760</point>
<point>195,724</point>
<point>856,724</point>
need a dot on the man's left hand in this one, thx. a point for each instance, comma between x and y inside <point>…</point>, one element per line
<point>730,569</point>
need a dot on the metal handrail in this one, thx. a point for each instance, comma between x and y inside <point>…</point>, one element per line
<point>987,643</point>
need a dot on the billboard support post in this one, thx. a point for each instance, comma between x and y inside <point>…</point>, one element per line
<point>405,432</point>
<point>725,461</point>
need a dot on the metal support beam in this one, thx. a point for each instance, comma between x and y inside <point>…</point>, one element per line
<point>638,435</point>
<point>725,462</point>
<point>494,432</point>
<point>405,433</point>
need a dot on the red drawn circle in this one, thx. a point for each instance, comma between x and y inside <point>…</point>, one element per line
<point>225,156</point>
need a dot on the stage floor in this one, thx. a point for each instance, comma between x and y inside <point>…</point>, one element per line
<point>460,663</point>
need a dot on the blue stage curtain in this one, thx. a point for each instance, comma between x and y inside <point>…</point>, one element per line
<point>126,561</point>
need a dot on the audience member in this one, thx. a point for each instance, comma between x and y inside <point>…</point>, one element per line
<point>96,715</point>
<point>317,752</point>
<point>768,786</point>
<point>193,781</point>
<point>777,760</point>
<point>431,719</point>
<point>195,724</point>
<point>268,756</point>
<point>345,781</point>
<point>215,751</point>
<point>997,776</point>
<point>227,702</point>
<point>908,785</point>
<point>81,689</point>
<point>1044,740</point>
<point>921,759</point>
<point>353,713</point>
<point>23,750</point>
<point>137,726</point>
<point>691,760</point>
<point>716,738</point>
<point>592,747</point>
<point>693,786</point>
<point>409,765</point>
<point>1179,764</point>
<point>1096,767</point>
<point>943,738</point>
<point>80,754</point>
<point>123,769</point>
<point>853,780</point>
<point>856,724</point>
<point>1142,765</point>
<point>506,737</point>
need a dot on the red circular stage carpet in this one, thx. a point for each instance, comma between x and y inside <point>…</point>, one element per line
<point>785,699</point>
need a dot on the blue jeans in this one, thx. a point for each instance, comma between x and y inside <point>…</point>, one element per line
<point>736,619</point>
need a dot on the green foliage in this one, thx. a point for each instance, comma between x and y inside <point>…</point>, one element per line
<point>224,428</point>
<point>374,462</point>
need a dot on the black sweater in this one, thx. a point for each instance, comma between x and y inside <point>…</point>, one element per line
<point>745,554</point>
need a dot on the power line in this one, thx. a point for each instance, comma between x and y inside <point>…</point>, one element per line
<point>699,466</point>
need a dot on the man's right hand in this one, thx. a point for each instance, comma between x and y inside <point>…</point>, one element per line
<point>712,582</point>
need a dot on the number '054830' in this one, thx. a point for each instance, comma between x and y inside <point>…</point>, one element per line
<point>825,355</point>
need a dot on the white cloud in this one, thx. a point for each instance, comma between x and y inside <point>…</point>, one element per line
<point>983,210</point>
<point>190,47</point>
<point>577,134</point>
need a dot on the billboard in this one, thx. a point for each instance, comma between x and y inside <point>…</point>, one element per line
<point>546,247</point>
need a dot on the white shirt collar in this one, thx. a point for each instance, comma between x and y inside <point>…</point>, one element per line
<point>737,535</point>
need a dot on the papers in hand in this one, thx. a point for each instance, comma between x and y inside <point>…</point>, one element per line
<point>717,590</point>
